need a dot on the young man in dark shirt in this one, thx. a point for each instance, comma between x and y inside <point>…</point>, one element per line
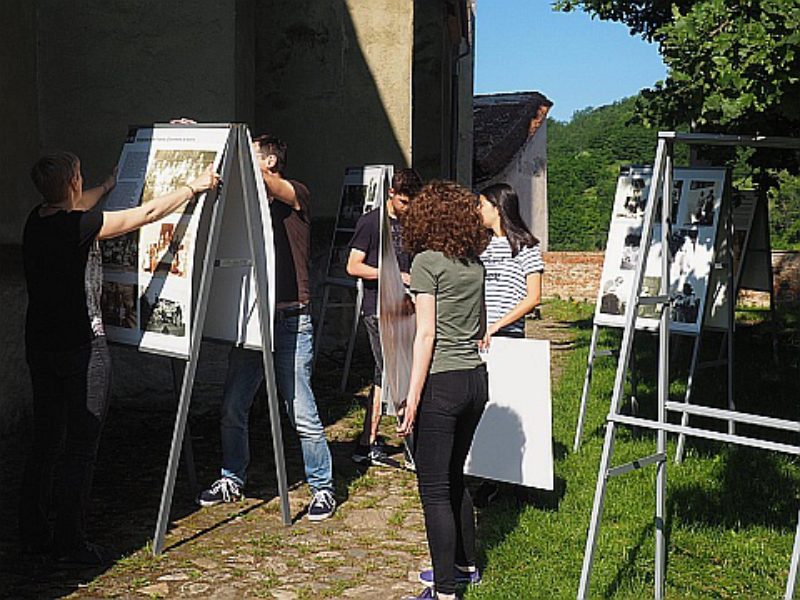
<point>363,263</point>
<point>294,343</point>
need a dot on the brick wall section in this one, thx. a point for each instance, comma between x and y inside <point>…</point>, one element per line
<point>576,275</point>
<point>572,275</point>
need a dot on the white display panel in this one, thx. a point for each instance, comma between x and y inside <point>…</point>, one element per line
<point>696,201</point>
<point>149,275</point>
<point>513,442</point>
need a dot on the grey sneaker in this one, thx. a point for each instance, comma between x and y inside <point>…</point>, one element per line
<point>322,506</point>
<point>223,489</point>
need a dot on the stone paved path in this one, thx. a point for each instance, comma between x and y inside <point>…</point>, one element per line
<point>372,548</point>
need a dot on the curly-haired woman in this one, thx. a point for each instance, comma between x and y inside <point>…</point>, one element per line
<point>448,389</point>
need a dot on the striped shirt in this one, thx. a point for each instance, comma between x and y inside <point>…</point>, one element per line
<point>506,279</point>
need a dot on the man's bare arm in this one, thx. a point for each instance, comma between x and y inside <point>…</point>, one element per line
<point>280,189</point>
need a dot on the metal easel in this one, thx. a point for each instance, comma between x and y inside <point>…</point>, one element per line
<point>662,174</point>
<point>237,148</point>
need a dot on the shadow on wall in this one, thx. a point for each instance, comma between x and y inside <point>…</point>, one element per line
<point>316,89</point>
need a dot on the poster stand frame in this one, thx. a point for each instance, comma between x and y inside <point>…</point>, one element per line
<point>237,148</point>
<point>662,172</point>
<point>347,282</point>
<point>594,353</point>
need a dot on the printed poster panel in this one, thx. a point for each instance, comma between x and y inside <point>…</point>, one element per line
<point>149,274</point>
<point>513,442</point>
<point>232,308</point>
<point>696,201</point>
<point>364,189</point>
<point>397,321</point>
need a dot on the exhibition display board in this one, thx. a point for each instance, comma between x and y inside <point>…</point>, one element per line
<point>150,280</point>
<point>696,202</point>
<point>206,271</point>
<point>363,189</point>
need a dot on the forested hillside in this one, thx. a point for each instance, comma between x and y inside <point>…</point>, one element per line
<point>584,156</point>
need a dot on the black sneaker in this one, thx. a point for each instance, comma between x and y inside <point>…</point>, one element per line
<point>322,506</point>
<point>378,456</point>
<point>223,489</point>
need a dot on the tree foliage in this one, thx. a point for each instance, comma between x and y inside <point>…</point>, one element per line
<point>584,156</point>
<point>734,65</point>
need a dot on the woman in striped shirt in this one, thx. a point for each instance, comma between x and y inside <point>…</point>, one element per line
<point>513,262</point>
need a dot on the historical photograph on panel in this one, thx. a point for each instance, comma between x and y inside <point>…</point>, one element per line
<point>630,251</point>
<point>700,202</point>
<point>118,304</point>
<point>165,249</point>
<point>631,194</point>
<point>172,168</point>
<point>121,253</point>
<point>686,304</point>
<point>634,201</point>
<point>677,188</point>
<point>352,205</point>
<point>614,293</point>
<point>683,246</point>
<point>160,314</point>
<point>650,287</point>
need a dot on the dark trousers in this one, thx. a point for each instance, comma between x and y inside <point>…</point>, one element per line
<point>451,407</point>
<point>71,391</point>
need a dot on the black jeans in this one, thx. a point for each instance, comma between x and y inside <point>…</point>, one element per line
<point>71,390</point>
<point>451,407</point>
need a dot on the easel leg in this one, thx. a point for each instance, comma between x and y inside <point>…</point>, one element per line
<point>352,341</point>
<point>791,582</point>
<point>585,394</point>
<point>689,384</point>
<point>597,512</point>
<point>188,450</point>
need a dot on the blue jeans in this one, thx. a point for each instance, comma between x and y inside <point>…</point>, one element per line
<point>294,353</point>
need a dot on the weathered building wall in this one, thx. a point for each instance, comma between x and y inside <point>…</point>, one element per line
<point>120,63</point>
<point>18,108</point>
<point>333,81</point>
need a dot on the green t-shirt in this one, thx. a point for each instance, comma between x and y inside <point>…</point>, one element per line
<point>458,288</point>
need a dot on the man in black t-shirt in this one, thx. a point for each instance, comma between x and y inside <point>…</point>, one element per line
<point>290,211</point>
<point>363,263</point>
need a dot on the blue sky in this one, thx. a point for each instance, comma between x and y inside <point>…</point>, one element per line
<point>573,60</point>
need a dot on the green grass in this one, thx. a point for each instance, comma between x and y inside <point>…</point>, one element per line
<point>731,511</point>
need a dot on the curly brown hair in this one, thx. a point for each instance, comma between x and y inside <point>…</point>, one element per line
<point>444,216</point>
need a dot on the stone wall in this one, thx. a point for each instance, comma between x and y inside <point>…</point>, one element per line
<point>576,275</point>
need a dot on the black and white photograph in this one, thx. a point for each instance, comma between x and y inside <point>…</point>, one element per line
<point>118,304</point>
<point>650,287</point>
<point>700,203</point>
<point>172,168</point>
<point>630,251</point>
<point>611,301</point>
<point>632,190</point>
<point>162,315</point>
<point>686,305</point>
<point>120,254</point>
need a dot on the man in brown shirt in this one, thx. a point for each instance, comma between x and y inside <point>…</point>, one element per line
<point>293,352</point>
